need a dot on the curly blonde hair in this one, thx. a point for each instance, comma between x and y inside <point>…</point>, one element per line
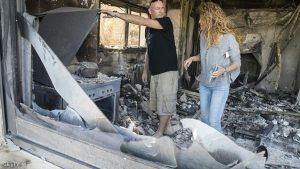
<point>215,22</point>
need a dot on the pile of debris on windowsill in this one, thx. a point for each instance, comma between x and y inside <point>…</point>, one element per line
<point>251,118</point>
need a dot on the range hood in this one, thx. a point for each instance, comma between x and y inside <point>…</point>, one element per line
<point>64,30</point>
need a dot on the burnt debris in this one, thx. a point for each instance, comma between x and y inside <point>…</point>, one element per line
<point>251,118</point>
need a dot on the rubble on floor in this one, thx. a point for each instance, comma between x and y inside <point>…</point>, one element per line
<point>251,118</point>
<point>182,138</point>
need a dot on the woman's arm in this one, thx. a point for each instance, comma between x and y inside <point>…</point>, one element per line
<point>188,62</point>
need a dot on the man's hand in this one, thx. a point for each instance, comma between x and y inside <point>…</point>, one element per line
<point>145,76</point>
<point>110,13</point>
<point>187,63</point>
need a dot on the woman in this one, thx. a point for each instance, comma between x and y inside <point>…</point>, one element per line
<point>220,62</point>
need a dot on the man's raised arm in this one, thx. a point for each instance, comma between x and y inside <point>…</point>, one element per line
<point>135,19</point>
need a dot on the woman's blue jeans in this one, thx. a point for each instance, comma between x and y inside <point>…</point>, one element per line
<point>212,104</point>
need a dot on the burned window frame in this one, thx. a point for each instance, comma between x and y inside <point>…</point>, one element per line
<point>129,8</point>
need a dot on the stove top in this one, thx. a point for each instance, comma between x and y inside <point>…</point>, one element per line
<point>101,78</point>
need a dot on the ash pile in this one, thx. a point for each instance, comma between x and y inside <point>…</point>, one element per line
<point>255,118</point>
<point>251,118</point>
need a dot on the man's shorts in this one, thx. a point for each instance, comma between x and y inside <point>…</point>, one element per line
<point>163,93</point>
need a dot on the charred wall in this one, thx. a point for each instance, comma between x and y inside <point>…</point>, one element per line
<point>290,65</point>
<point>262,23</point>
<point>128,63</point>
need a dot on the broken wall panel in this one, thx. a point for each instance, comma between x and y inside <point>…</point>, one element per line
<point>9,63</point>
<point>290,65</point>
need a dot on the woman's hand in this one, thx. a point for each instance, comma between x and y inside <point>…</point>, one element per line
<point>187,62</point>
<point>219,72</point>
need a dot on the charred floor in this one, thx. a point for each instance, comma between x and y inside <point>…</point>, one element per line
<point>252,118</point>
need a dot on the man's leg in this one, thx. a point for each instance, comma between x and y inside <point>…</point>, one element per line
<point>166,99</point>
<point>163,123</point>
<point>169,130</point>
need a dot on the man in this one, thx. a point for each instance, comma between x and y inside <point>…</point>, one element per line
<point>160,60</point>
